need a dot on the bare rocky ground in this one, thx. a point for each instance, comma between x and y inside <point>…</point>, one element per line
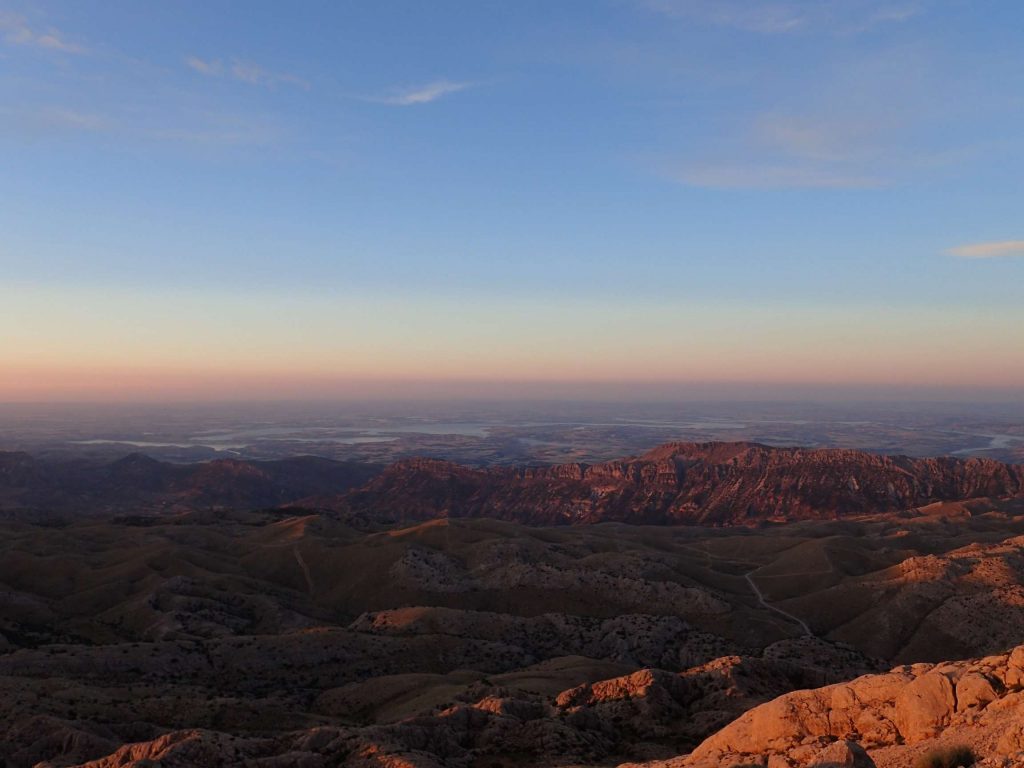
<point>283,639</point>
<point>900,716</point>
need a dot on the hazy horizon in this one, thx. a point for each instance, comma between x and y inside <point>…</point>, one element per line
<point>348,392</point>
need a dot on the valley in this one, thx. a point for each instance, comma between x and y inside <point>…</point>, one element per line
<point>293,635</point>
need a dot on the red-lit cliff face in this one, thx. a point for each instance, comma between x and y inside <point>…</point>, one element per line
<point>708,483</point>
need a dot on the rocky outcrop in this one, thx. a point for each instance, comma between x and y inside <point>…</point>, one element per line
<point>897,716</point>
<point>635,714</point>
<point>654,705</point>
<point>706,483</point>
<point>875,721</point>
<point>843,754</point>
<point>180,749</point>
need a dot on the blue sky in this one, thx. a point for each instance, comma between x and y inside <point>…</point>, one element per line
<point>593,164</point>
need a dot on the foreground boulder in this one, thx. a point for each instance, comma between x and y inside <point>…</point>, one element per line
<point>843,754</point>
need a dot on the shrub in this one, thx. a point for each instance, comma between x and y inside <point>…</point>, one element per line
<point>947,757</point>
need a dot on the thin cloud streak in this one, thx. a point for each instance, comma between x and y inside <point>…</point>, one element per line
<point>992,250</point>
<point>35,122</point>
<point>818,138</point>
<point>785,152</point>
<point>17,31</point>
<point>244,71</point>
<point>204,67</point>
<point>215,130</point>
<point>775,18</point>
<point>896,14</point>
<point>212,129</point>
<point>771,177</point>
<point>863,124</point>
<point>77,120</point>
<point>423,94</point>
<point>769,18</point>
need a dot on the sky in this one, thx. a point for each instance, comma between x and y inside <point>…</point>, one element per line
<point>235,200</point>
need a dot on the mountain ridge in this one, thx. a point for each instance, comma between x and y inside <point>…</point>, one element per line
<point>683,483</point>
<point>677,483</point>
<point>139,484</point>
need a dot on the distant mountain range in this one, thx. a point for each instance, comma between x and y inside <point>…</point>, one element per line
<point>140,484</point>
<point>684,483</point>
<point>676,483</point>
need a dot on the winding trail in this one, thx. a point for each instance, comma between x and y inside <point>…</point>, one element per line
<point>305,569</point>
<point>790,616</point>
<point>757,591</point>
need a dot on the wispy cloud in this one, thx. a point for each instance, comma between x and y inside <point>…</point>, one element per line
<point>864,120</point>
<point>16,30</point>
<point>34,123</point>
<point>250,73</point>
<point>244,71</point>
<point>787,16</point>
<point>889,14</point>
<point>214,129</point>
<point>768,18</point>
<point>177,126</point>
<point>771,177</point>
<point>993,250</point>
<point>790,151</point>
<point>819,138</point>
<point>214,137</point>
<point>73,119</point>
<point>422,94</point>
<point>204,67</point>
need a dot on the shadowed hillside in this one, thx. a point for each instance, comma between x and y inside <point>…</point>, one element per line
<point>220,637</point>
<point>139,484</point>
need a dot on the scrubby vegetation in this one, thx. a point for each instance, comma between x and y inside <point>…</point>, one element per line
<point>949,757</point>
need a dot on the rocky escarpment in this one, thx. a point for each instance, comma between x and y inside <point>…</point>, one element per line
<point>897,717</point>
<point>707,483</point>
